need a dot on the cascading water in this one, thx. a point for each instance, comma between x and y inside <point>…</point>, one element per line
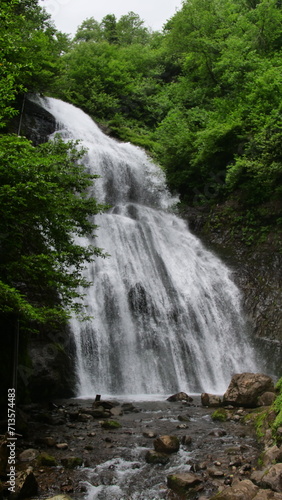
<point>166,314</point>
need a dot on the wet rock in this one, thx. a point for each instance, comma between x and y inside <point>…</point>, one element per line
<point>27,485</point>
<point>129,408</point>
<point>267,495</point>
<point>99,412</point>
<point>60,497</point>
<point>186,440</point>
<point>217,433</point>
<point>149,434</point>
<point>62,446</point>
<point>73,415</point>
<point>47,441</point>
<point>273,478</point>
<point>240,490</point>
<point>110,424</point>
<point>266,399</point>
<point>106,405</point>
<point>180,396</point>
<point>167,444</point>
<point>84,417</point>
<point>214,472</point>
<point>245,389</point>
<point>271,455</point>
<point>71,462</point>
<point>46,460</point>
<point>184,418</point>
<point>156,457</point>
<point>181,483</point>
<point>116,411</point>
<point>210,400</point>
<point>28,455</point>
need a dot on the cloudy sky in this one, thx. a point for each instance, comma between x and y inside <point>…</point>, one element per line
<point>69,14</point>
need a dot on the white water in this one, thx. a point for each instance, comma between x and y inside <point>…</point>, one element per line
<point>167,315</point>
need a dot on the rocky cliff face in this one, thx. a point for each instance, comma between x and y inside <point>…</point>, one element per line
<point>257,271</point>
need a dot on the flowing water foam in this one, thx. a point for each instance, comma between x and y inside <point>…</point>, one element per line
<point>166,313</point>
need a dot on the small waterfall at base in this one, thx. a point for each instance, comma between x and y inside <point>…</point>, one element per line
<point>166,313</point>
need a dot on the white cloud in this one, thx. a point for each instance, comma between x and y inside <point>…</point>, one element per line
<point>69,14</point>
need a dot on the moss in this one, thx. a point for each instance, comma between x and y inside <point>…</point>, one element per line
<point>46,460</point>
<point>110,424</point>
<point>220,414</point>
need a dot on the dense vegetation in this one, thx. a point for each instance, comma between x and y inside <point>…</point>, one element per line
<point>43,189</point>
<point>203,97</point>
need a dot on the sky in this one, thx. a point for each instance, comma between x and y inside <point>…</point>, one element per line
<point>69,14</point>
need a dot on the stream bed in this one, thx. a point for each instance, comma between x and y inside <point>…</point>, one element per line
<point>113,464</point>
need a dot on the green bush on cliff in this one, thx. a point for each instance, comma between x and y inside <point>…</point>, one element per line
<point>278,406</point>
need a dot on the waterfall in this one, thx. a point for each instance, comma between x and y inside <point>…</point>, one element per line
<point>166,313</point>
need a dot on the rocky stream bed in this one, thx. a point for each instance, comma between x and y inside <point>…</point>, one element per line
<point>71,452</point>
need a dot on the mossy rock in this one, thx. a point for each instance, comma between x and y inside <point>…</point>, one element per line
<point>110,424</point>
<point>155,457</point>
<point>46,460</point>
<point>220,414</point>
<point>72,462</point>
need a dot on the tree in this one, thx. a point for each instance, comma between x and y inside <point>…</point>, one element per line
<point>30,47</point>
<point>44,207</point>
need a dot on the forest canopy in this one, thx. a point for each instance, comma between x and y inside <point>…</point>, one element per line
<point>203,97</point>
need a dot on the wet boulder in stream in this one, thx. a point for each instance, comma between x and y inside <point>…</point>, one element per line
<point>245,389</point>
<point>167,444</point>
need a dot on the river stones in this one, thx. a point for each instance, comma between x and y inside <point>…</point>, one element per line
<point>211,400</point>
<point>180,483</point>
<point>246,388</point>
<point>167,444</point>
<point>156,457</point>
<point>240,490</point>
<point>180,396</point>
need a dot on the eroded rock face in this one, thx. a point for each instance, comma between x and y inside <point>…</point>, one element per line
<point>246,388</point>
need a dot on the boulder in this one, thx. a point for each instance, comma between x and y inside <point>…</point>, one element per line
<point>155,457</point>
<point>167,444</point>
<point>273,478</point>
<point>240,490</point>
<point>28,455</point>
<point>211,400</point>
<point>266,399</point>
<point>27,485</point>
<point>180,483</point>
<point>180,396</point>
<point>246,388</point>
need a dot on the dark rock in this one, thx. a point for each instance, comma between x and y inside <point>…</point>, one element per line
<point>180,396</point>
<point>27,485</point>
<point>155,457</point>
<point>71,462</point>
<point>110,424</point>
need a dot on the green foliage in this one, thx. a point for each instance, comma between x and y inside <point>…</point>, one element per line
<point>278,406</point>
<point>44,206</point>
<point>220,414</point>
<point>29,52</point>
